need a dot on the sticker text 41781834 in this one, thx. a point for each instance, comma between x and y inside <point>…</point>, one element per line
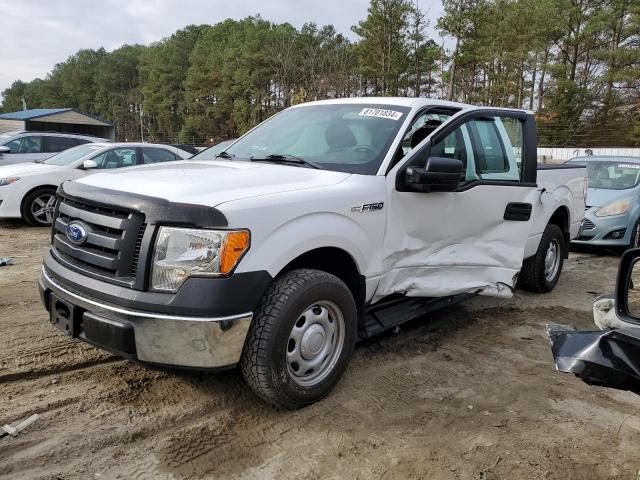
<point>381,113</point>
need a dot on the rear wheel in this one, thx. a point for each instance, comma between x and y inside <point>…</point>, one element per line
<point>38,207</point>
<point>541,272</point>
<point>301,339</point>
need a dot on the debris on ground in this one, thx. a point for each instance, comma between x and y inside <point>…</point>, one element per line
<point>5,261</point>
<point>609,358</point>
<point>13,431</point>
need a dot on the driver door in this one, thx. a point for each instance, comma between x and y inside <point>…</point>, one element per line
<point>471,239</point>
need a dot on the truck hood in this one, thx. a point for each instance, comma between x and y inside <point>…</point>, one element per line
<point>211,183</point>
<point>19,169</point>
<point>599,197</point>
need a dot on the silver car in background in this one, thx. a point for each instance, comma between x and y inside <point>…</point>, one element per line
<point>23,147</point>
<point>612,216</point>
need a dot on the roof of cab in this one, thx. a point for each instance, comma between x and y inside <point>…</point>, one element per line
<point>410,102</point>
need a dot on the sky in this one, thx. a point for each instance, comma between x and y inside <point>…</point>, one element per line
<point>37,34</point>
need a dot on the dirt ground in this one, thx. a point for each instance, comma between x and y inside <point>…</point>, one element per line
<point>468,393</point>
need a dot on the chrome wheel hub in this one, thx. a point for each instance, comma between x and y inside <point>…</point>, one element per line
<point>315,343</point>
<point>552,261</point>
<point>43,208</point>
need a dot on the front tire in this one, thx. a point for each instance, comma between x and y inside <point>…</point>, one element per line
<point>634,241</point>
<point>541,272</point>
<point>38,207</point>
<point>301,339</point>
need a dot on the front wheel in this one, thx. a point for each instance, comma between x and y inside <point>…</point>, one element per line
<point>39,206</point>
<point>634,241</point>
<point>541,272</point>
<point>301,339</point>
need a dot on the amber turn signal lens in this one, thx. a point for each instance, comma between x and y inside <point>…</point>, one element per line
<point>235,244</point>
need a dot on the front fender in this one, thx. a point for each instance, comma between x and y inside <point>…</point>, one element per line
<point>307,232</point>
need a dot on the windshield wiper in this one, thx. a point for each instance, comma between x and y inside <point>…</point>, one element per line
<point>286,158</point>
<point>40,160</point>
<point>225,155</point>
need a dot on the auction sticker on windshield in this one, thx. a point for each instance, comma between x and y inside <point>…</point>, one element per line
<point>381,113</point>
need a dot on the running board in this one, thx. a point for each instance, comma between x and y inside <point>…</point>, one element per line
<point>388,314</point>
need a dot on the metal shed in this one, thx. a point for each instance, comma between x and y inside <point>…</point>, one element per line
<point>66,120</point>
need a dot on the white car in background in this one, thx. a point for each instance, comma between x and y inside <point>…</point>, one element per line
<point>28,190</point>
<point>25,147</point>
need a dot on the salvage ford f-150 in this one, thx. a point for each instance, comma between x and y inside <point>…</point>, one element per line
<point>329,222</point>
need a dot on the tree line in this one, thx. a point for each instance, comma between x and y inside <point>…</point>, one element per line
<point>576,63</point>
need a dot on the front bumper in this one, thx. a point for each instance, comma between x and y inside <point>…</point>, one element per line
<point>602,228</point>
<point>9,203</point>
<point>148,337</point>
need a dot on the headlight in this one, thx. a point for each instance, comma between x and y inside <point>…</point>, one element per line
<point>615,208</point>
<point>184,252</point>
<point>8,181</point>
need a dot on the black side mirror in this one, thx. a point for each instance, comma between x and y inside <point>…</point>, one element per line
<point>628,287</point>
<point>440,174</point>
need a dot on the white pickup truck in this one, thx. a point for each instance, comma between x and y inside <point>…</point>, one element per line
<point>329,222</point>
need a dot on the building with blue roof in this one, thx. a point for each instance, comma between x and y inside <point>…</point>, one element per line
<point>65,120</point>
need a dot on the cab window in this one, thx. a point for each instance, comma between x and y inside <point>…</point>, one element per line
<point>490,148</point>
<point>497,152</point>
<point>454,146</point>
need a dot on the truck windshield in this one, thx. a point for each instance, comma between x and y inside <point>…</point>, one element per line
<point>351,138</point>
<point>612,175</point>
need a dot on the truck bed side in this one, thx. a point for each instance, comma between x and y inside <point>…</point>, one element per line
<point>559,187</point>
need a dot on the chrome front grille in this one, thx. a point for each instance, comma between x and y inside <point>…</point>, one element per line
<point>113,241</point>
<point>588,224</point>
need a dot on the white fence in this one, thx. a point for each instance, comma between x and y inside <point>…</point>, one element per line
<point>559,155</point>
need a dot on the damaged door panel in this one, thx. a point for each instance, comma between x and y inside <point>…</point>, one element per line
<point>464,241</point>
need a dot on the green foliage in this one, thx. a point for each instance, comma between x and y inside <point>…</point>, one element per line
<point>575,62</point>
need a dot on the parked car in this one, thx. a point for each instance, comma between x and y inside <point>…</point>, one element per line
<point>28,190</point>
<point>192,149</point>
<point>213,151</point>
<point>24,147</point>
<point>612,217</point>
<point>327,223</point>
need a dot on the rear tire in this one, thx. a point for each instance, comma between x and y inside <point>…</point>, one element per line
<point>541,272</point>
<point>38,207</point>
<point>301,339</point>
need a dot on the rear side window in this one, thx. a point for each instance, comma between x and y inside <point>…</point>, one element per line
<point>26,144</point>
<point>157,155</point>
<point>59,144</point>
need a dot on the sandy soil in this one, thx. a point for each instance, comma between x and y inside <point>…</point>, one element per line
<point>468,393</point>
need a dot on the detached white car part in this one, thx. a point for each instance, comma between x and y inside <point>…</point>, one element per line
<point>27,190</point>
<point>307,233</point>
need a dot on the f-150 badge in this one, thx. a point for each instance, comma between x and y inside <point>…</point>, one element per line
<point>369,207</point>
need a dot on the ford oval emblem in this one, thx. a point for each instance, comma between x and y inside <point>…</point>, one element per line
<point>77,233</point>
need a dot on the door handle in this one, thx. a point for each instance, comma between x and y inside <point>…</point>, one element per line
<point>518,212</point>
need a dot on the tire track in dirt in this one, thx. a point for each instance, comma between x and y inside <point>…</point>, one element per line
<point>33,374</point>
